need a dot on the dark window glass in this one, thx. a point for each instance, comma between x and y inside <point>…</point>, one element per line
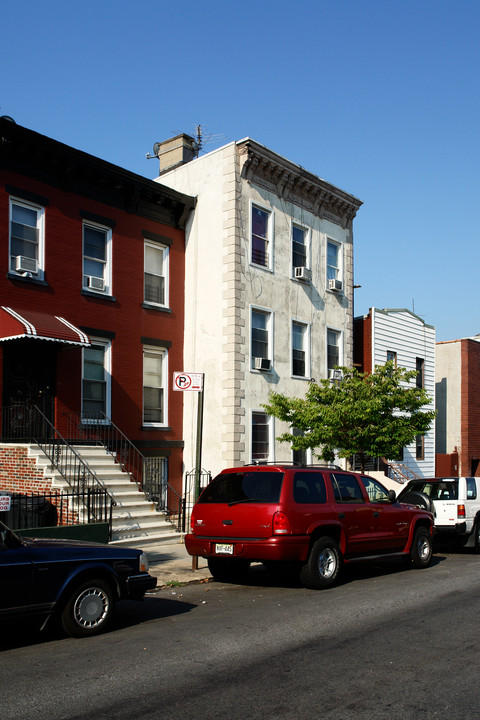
<point>299,249</point>
<point>346,489</point>
<point>309,487</point>
<point>244,487</point>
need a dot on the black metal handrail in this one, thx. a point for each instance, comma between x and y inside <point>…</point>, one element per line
<point>27,423</point>
<point>98,429</point>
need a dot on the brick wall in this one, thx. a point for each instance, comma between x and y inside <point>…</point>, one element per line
<point>470,407</point>
<point>19,473</point>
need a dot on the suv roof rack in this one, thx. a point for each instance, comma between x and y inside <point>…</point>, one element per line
<point>325,466</point>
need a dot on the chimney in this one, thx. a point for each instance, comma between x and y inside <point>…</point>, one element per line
<point>176,151</point>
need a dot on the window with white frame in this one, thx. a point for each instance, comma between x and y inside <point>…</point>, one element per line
<point>261,436</point>
<point>154,386</point>
<point>96,379</point>
<point>27,238</point>
<point>334,264</point>
<point>300,355</point>
<point>156,274</point>
<point>96,257</point>
<point>262,223</point>
<point>261,348</point>
<point>300,236</point>
<point>333,350</point>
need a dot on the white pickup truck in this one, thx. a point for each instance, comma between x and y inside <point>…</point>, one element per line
<point>454,502</point>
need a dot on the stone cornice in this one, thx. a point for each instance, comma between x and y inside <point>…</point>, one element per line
<point>295,184</point>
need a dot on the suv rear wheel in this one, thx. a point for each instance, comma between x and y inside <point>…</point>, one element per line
<point>421,552</point>
<point>227,569</point>
<point>323,565</point>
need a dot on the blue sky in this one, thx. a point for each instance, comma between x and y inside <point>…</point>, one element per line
<point>379,97</point>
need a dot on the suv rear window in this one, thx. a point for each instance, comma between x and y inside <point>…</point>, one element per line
<point>443,490</point>
<point>244,487</point>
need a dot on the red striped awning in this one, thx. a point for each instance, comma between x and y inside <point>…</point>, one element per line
<point>15,324</point>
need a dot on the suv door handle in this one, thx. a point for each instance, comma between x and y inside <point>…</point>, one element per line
<point>341,516</point>
<point>376,513</point>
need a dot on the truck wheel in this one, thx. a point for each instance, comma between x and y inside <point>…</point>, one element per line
<point>421,552</point>
<point>228,570</point>
<point>89,609</point>
<point>476,546</point>
<point>323,565</point>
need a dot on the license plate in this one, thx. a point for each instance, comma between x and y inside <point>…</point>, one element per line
<point>222,549</point>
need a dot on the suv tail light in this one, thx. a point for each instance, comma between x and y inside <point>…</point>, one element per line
<point>192,523</point>
<point>461,511</point>
<point>281,524</point>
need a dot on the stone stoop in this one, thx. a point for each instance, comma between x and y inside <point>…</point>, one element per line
<point>134,518</point>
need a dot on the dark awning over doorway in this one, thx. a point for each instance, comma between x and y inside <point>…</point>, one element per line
<point>16,324</point>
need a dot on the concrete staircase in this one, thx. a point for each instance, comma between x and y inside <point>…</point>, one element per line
<point>135,519</point>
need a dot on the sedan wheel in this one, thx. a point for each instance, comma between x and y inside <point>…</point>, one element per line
<point>89,609</point>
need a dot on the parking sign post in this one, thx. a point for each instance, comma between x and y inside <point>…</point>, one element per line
<point>194,382</point>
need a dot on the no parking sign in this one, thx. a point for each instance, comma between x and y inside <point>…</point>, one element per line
<point>188,382</point>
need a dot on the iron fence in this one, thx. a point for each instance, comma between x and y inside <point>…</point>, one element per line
<point>55,508</point>
<point>188,500</point>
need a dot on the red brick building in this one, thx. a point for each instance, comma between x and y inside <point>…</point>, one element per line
<point>458,407</point>
<point>92,291</point>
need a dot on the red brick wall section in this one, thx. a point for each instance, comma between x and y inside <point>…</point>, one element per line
<point>19,473</point>
<point>470,406</point>
<point>362,348</point>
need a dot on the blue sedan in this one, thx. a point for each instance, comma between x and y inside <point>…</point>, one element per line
<point>76,582</point>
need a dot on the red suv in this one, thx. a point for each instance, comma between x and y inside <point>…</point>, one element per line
<point>316,518</point>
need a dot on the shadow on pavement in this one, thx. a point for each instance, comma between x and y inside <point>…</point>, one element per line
<point>128,613</point>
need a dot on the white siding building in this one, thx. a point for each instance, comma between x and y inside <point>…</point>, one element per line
<point>268,290</point>
<point>403,337</point>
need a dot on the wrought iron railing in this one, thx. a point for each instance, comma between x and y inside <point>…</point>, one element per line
<point>28,424</point>
<point>402,473</point>
<point>98,429</point>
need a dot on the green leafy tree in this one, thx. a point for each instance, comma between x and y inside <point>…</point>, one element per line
<point>365,414</point>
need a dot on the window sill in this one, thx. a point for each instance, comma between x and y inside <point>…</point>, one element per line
<point>262,267</point>
<point>155,428</point>
<point>157,308</point>
<point>24,279</point>
<point>99,296</point>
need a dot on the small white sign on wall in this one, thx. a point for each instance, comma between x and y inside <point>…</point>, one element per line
<point>5,502</point>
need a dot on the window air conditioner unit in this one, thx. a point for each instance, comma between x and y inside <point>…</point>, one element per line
<point>335,285</point>
<point>25,264</point>
<point>261,363</point>
<point>335,375</point>
<point>303,273</point>
<point>95,283</point>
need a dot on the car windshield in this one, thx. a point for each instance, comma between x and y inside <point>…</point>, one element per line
<point>443,490</point>
<point>243,487</point>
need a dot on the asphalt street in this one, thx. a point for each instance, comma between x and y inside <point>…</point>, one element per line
<point>386,643</point>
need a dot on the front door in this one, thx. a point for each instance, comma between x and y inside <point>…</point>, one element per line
<point>29,373</point>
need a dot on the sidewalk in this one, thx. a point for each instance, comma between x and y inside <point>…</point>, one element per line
<point>171,564</point>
